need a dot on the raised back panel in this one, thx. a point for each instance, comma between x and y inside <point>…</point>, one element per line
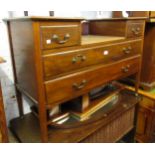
<point>110,28</point>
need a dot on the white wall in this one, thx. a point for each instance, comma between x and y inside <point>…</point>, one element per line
<point>85,14</point>
<point>6,74</point>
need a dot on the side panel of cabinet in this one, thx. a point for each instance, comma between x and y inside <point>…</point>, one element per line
<point>148,55</point>
<point>23,56</point>
<point>144,131</point>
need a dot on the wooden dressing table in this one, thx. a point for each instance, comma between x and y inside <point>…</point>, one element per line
<point>53,63</point>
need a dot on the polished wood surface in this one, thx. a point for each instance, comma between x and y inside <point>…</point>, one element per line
<point>145,131</point>
<point>73,60</point>
<point>93,39</point>
<point>23,55</point>
<point>135,29</point>
<point>52,74</point>
<point>42,18</point>
<point>109,28</point>
<point>62,89</point>
<point>61,30</point>
<point>131,14</point>
<point>152,13</point>
<point>148,65</point>
<point>132,28</point>
<point>146,121</point>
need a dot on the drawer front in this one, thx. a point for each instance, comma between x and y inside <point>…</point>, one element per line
<point>57,35</point>
<point>62,62</point>
<point>135,29</point>
<point>71,86</point>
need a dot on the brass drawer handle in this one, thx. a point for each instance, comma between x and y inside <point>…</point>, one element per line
<point>58,41</point>
<point>78,58</point>
<point>80,86</point>
<point>126,69</point>
<point>125,106</point>
<point>136,31</point>
<point>127,50</point>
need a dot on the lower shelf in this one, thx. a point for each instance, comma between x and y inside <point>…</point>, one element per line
<point>109,128</point>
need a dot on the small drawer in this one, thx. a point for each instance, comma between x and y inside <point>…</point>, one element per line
<point>59,63</point>
<point>135,29</point>
<point>74,85</point>
<point>57,35</point>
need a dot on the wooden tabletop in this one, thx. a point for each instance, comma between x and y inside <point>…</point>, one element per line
<point>44,18</point>
<point>94,39</point>
<point>2,60</point>
<point>48,18</point>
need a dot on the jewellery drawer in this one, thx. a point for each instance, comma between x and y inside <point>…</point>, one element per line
<point>62,62</point>
<point>135,29</point>
<point>56,35</point>
<point>74,85</point>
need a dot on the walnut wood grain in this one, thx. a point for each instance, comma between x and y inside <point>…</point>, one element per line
<point>135,29</point>
<point>23,55</point>
<point>74,60</point>
<point>60,30</point>
<point>27,40</point>
<point>128,29</point>
<point>148,63</point>
<point>62,89</point>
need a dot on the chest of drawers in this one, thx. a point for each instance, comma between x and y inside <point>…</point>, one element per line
<point>53,63</point>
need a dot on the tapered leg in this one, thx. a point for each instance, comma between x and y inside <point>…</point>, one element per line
<point>19,102</point>
<point>43,120</point>
<point>137,83</point>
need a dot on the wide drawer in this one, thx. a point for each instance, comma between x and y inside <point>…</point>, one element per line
<point>57,35</point>
<point>135,29</point>
<point>62,62</point>
<point>71,86</point>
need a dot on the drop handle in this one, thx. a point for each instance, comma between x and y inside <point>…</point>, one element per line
<point>126,69</point>
<point>78,58</point>
<point>127,50</point>
<point>79,86</point>
<point>125,106</point>
<point>136,31</point>
<point>56,38</point>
